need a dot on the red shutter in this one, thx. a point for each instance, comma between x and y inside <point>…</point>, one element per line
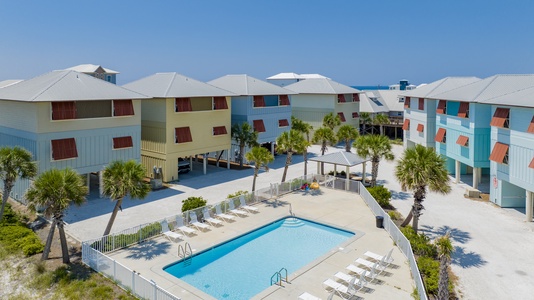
<point>440,136</point>
<point>355,97</point>
<point>420,127</point>
<point>499,152</point>
<point>259,101</point>
<point>341,98</point>
<point>462,141</point>
<point>183,104</point>
<point>463,111</point>
<point>406,125</point>
<point>183,135</point>
<point>64,149</point>
<point>284,100</point>
<point>63,110</point>
<point>441,107</point>
<point>259,126</point>
<point>283,123</point>
<point>407,102</point>
<point>421,104</point>
<point>218,130</point>
<point>530,128</point>
<point>123,108</point>
<point>122,142</point>
<point>355,115</point>
<point>341,116</point>
<point>531,165</point>
<point>500,116</point>
<point>220,103</point>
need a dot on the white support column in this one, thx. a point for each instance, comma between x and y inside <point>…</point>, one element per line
<point>475,178</point>
<point>228,159</point>
<point>364,174</point>
<point>457,171</point>
<point>101,184</point>
<point>318,168</point>
<point>191,163</point>
<point>479,175</point>
<point>529,206</point>
<point>88,183</point>
<point>347,179</point>
<point>205,162</point>
<point>335,170</point>
<point>217,157</point>
<point>272,148</point>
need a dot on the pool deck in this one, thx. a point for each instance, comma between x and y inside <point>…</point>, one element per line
<point>335,208</point>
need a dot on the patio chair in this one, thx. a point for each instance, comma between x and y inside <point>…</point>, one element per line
<point>377,266</point>
<point>341,289</point>
<point>387,259</point>
<point>359,271</point>
<point>209,219</point>
<point>236,211</point>
<point>171,236</point>
<point>308,296</point>
<point>243,204</point>
<point>219,214</point>
<point>358,285</point>
<point>184,229</point>
<point>194,221</point>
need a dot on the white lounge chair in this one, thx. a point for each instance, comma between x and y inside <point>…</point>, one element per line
<point>184,229</point>
<point>194,221</point>
<point>341,289</point>
<point>357,270</point>
<point>243,205</point>
<point>387,259</point>
<point>371,265</point>
<point>171,236</point>
<point>358,285</point>
<point>209,219</point>
<point>219,214</point>
<point>308,296</point>
<point>236,211</point>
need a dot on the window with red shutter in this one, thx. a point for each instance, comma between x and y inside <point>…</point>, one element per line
<point>182,104</point>
<point>64,149</point>
<point>183,135</point>
<point>441,136</point>
<point>355,115</point>
<point>530,128</point>
<point>463,111</point>
<point>406,125</point>
<point>284,100</point>
<point>421,104</point>
<point>258,126</point>
<point>407,102</point>
<point>420,127</point>
<point>219,130</point>
<point>499,154</point>
<point>259,101</point>
<point>355,97</point>
<point>501,118</point>
<point>283,123</point>
<point>341,98</point>
<point>65,110</point>
<point>442,107</point>
<point>122,142</point>
<point>123,108</point>
<point>220,103</point>
<point>341,116</point>
<point>463,141</point>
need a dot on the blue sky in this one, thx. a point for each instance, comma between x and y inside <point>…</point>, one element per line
<point>352,42</point>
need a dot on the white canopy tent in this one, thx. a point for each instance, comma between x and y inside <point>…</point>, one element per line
<point>342,158</point>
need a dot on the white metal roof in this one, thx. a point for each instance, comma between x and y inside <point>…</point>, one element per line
<point>321,86</point>
<point>65,85</point>
<point>89,68</point>
<point>370,106</point>
<point>439,86</point>
<point>9,82</point>
<point>522,98</point>
<point>341,158</point>
<point>391,99</point>
<point>296,76</point>
<point>245,85</point>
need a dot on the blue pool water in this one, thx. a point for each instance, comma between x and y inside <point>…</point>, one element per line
<point>242,267</point>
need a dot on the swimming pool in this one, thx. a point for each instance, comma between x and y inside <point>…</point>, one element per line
<point>242,267</point>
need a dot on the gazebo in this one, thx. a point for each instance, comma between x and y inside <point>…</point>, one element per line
<point>342,158</point>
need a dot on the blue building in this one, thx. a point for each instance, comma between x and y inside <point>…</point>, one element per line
<point>97,72</point>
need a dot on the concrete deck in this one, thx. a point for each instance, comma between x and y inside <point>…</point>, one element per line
<point>336,208</point>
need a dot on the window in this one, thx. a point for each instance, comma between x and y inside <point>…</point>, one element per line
<point>284,100</point>
<point>531,165</point>
<point>530,128</point>
<point>442,107</point>
<point>463,141</point>
<point>401,99</point>
<point>355,115</point>
<point>341,98</point>
<point>64,149</point>
<point>463,111</point>
<point>355,97</point>
<point>421,104</point>
<point>220,103</point>
<point>407,102</point>
<point>283,123</point>
<point>182,135</point>
<point>406,125</point>
<point>219,130</point>
<point>441,136</point>
<point>341,116</point>
<point>420,127</point>
<point>499,154</point>
<point>122,142</point>
<point>259,101</point>
<point>501,118</point>
<point>182,104</point>
<point>63,110</point>
<point>123,108</point>
<point>258,126</point>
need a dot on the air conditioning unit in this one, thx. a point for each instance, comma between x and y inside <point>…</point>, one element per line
<point>472,193</point>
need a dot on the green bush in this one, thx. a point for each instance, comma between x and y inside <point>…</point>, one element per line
<point>192,203</point>
<point>394,215</point>
<point>123,240</point>
<point>236,194</point>
<point>10,216</point>
<point>420,243</point>
<point>381,194</point>
<point>16,238</point>
<point>429,269</point>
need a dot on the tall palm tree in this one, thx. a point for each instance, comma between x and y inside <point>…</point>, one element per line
<point>55,190</point>
<point>14,163</point>
<point>419,168</point>
<point>445,250</point>
<point>375,147</point>
<point>303,128</point>
<point>261,157</point>
<point>381,120</point>
<point>347,133</point>
<point>123,179</point>
<point>331,121</point>
<point>324,135</point>
<point>365,118</point>
<point>290,142</point>
<point>244,135</point>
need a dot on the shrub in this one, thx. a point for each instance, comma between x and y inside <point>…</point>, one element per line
<point>236,194</point>
<point>381,194</point>
<point>123,240</point>
<point>16,238</point>
<point>10,216</point>
<point>420,243</point>
<point>394,215</point>
<point>429,268</point>
<point>192,203</point>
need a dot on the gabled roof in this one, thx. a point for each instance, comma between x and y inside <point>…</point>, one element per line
<point>89,68</point>
<point>245,85</point>
<point>522,98</point>
<point>341,158</point>
<point>321,86</point>
<point>174,85</point>
<point>296,76</point>
<point>439,86</point>
<point>488,88</point>
<point>370,106</point>
<point>391,99</point>
<point>65,85</point>
<point>9,82</point>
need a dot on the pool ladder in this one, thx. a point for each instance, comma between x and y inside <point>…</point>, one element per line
<point>185,252</point>
<point>277,277</point>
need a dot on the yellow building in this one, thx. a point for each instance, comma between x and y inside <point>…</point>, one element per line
<point>184,118</point>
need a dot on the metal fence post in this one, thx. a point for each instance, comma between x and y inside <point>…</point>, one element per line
<point>114,269</point>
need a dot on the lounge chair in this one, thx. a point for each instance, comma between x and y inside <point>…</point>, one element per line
<point>308,296</point>
<point>171,236</point>
<point>369,274</point>
<point>209,219</point>
<point>378,266</point>
<point>219,214</point>
<point>194,221</point>
<point>236,211</point>
<point>243,205</point>
<point>184,229</point>
<point>358,285</point>
<point>387,259</point>
<point>341,289</point>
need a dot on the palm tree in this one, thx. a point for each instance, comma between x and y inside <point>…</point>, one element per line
<point>55,190</point>
<point>375,147</point>
<point>290,142</point>
<point>347,133</point>
<point>331,121</point>
<point>303,128</point>
<point>445,250</point>
<point>14,162</point>
<point>123,179</point>
<point>419,168</point>
<point>244,135</point>
<point>261,157</point>
<point>324,135</point>
<point>365,118</point>
<point>381,120</point>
